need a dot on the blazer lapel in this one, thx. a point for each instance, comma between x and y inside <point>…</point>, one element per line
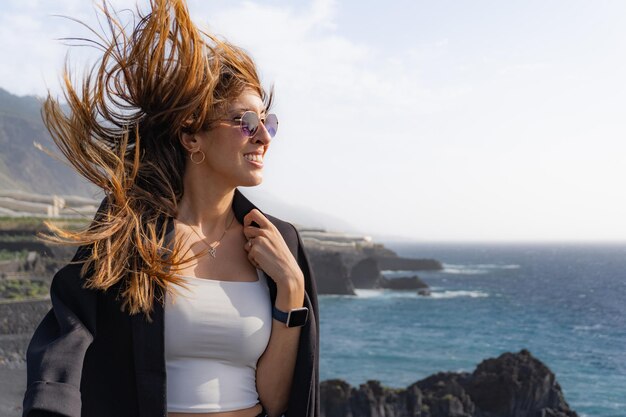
<point>148,338</point>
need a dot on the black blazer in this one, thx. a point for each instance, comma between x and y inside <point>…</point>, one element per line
<point>87,358</point>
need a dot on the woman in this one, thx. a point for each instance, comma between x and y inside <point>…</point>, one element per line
<point>183,298</point>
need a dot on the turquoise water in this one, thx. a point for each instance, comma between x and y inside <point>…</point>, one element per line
<point>564,303</point>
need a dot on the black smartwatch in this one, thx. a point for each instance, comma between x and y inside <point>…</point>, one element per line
<point>295,317</point>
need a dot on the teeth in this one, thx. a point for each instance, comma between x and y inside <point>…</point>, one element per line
<point>253,157</point>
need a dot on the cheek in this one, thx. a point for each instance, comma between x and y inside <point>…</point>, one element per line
<point>226,153</point>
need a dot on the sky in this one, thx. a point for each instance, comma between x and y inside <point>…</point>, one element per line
<point>428,121</point>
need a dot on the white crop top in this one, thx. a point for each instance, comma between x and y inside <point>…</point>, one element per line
<point>215,333</point>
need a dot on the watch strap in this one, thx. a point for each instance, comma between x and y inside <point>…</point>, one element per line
<point>290,320</point>
<point>280,315</point>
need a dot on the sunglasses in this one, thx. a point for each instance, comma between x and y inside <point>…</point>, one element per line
<point>249,123</point>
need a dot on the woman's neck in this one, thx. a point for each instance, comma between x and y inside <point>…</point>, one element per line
<point>206,208</point>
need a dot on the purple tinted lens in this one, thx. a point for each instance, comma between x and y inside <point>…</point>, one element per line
<point>271,124</point>
<point>249,123</point>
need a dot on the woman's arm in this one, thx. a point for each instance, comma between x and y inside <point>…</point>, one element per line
<point>287,372</point>
<point>276,366</point>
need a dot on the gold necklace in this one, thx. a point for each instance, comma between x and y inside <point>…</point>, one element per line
<point>215,244</point>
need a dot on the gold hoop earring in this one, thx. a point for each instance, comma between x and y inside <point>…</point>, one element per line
<point>200,161</point>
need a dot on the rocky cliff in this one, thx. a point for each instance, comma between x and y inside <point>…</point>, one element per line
<point>343,262</point>
<point>512,385</point>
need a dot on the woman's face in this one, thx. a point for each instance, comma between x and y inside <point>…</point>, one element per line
<point>225,145</point>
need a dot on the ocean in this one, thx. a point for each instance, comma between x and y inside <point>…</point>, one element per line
<point>565,303</point>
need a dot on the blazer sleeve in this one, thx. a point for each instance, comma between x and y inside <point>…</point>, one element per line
<point>304,400</point>
<point>55,354</point>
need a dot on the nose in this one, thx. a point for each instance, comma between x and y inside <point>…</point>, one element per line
<point>262,134</point>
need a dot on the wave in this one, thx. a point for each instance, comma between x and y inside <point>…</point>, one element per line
<point>450,269</point>
<point>584,328</point>
<point>367,293</point>
<point>476,269</point>
<point>458,294</point>
<point>391,273</point>
<point>446,294</point>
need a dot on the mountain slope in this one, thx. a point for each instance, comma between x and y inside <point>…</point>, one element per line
<point>22,165</point>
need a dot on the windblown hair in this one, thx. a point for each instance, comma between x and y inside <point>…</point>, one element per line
<point>122,133</point>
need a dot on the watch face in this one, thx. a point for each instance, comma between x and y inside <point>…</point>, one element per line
<point>297,317</point>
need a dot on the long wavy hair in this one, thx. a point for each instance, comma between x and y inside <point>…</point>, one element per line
<point>122,132</point>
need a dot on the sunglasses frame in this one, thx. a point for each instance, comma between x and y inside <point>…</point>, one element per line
<point>239,120</point>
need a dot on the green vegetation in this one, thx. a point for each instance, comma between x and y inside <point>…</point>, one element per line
<point>20,289</point>
<point>35,224</point>
<point>393,391</point>
<point>6,255</point>
<point>17,238</point>
<point>13,223</point>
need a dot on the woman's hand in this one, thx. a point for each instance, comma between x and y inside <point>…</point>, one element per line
<point>268,251</point>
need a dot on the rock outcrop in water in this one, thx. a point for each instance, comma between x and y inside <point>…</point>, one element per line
<point>343,262</point>
<point>366,273</point>
<point>331,274</point>
<point>512,385</point>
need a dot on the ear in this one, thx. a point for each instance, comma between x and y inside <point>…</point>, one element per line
<point>189,141</point>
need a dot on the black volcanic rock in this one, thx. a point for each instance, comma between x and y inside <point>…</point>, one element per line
<point>375,399</point>
<point>337,394</point>
<point>512,385</point>
<point>366,274</point>
<point>338,398</point>
<point>330,266</point>
<point>517,385</point>
<point>331,274</point>
<point>444,395</point>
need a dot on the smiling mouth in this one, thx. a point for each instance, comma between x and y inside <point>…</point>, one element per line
<point>254,158</point>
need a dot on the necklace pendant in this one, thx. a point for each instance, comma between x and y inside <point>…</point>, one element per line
<point>212,251</point>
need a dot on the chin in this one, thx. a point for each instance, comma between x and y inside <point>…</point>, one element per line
<point>251,181</point>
